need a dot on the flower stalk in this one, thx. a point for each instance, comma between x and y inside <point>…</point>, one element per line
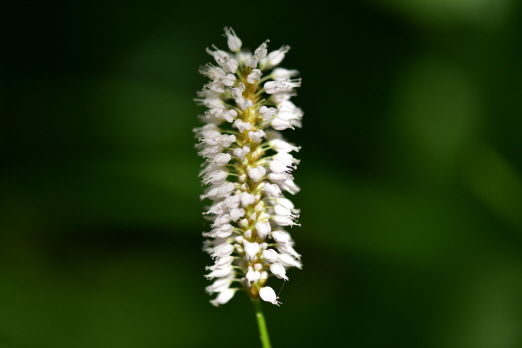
<point>263,331</point>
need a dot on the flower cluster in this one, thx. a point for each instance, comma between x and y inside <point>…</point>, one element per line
<point>248,167</point>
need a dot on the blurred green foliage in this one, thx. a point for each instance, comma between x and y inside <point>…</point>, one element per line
<point>411,174</point>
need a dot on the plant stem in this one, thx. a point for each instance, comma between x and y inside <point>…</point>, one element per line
<point>263,331</point>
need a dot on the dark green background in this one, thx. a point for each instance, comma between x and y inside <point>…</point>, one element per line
<point>411,174</point>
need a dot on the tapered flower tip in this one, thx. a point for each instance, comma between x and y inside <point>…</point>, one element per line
<point>268,294</point>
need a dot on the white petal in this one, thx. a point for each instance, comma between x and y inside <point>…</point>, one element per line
<point>256,136</point>
<point>242,126</point>
<point>261,51</point>
<point>278,270</point>
<point>225,190</point>
<point>222,231</point>
<point>263,229</point>
<point>253,276</point>
<point>275,57</point>
<point>229,80</point>
<point>289,261</point>
<point>251,250</point>
<point>285,202</point>
<point>222,250</point>
<point>223,297</point>
<point>219,285</point>
<point>272,190</point>
<point>220,272</point>
<point>222,159</point>
<point>278,167</point>
<point>280,237</point>
<point>284,220</point>
<point>227,139</point>
<point>286,248</point>
<point>280,74</point>
<point>254,76</point>
<point>279,178</point>
<point>247,199</point>
<point>256,173</point>
<point>234,43</point>
<point>232,201</point>
<point>282,210</point>
<point>236,213</point>
<point>268,294</point>
<point>270,255</point>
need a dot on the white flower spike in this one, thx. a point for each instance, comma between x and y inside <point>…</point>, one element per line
<point>248,167</point>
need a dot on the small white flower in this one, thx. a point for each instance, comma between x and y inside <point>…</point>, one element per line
<point>222,58</point>
<point>268,294</point>
<point>272,87</point>
<point>225,190</point>
<point>257,135</point>
<point>251,249</point>
<point>229,80</point>
<point>223,297</point>
<point>220,272</point>
<point>278,270</point>
<point>289,261</point>
<point>222,231</point>
<point>244,103</point>
<point>270,255</point>
<point>229,115</point>
<point>221,220</point>
<point>219,285</point>
<point>238,91</point>
<point>281,74</point>
<point>216,177</point>
<point>222,159</point>
<point>252,276</point>
<point>263,229</point>
<point>282,220</point>
<point>290,186</point>
<point>241,152</point>
<point>286,248</point>
<point>279,178</point>
<point>282,146</point>
<point>234,43</point>
<point>222,250</point>
<point>214,73</point>
<point>280,237</point>
<point>247,199</point>
<point>281,124</point>
<point>242,126</point>
<point>272,190</point>
<point>277,56</point>
<point>267,112</point>
<point>256,173</point>
<point>236,213</point>
<point>227,140</point>
<point>278,167</point>
<point>216,86</point>
<point>254,76</point>
<point>261,51</point>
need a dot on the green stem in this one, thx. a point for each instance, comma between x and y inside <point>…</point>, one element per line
<point>263,331</point>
